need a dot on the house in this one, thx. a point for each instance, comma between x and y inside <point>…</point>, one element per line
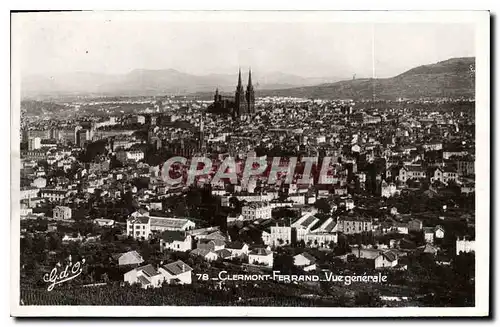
<point>388,189</point>
<point>224,254</point>
<point>51,227</point>
<point>428,234</point>
<point>266,237</point>
<point>104,222</point>
<point>62,213</point>
<point>465,245</point>
<point>439,231</point>
<point>206,254</point>
<point>141,225</point>
<point>386,259</point>
<point>237,249</point>
<point>280,235</point>
<point>465,167</point>
<point>39,182</point>
<point>415,225</point>
<point>68,238</point>
<point>354,225</point>
<point>211,234</point>
<point>256,210</point>
<point>320,240</point>
<point>176,240</point>
<point>147,276</point>
<point>164,223</point>
<point>406,244</point>
<point>305,261</point>
<point>132,155</point>
<point>349,204</point>
<point>128,258</point>
<point>28,193</point>
<point>427,249</point>
<point>432,146</point>
<point>176,272</point>
<point>54,194</point>
<point>445,175</point>
<point>401,228</point>
<point>209,244</point>
<point>467,188</point>
<point>380,258</point>
<point>411,172</point>
<point>261,256</point>
<point>298,229</point>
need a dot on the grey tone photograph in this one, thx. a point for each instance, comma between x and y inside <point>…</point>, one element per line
<point>245,163</point>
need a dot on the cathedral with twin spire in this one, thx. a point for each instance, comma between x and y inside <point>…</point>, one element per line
<point>239,106</point>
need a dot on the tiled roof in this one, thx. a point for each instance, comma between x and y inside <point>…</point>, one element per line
<point>391,256</point>
<point>177,267</point>
<point>200,252</point>
<point>140,220</point>
<point>170,236</point>
<point>168,222</point>
<point>143,280</point>
<point>235,245</point>
<point>427,249</point>
<point>428,230</point>
<point>148,270</point>
<point>308,221</point>
<point>223,253</point>
<point>260,251</point>
<point>308,257</point>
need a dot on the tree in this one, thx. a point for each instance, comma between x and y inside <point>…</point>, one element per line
<point>235,204</point>
<point>55,242</point>
<point>284,263</point>
<point>40,243</point>
<point>27,243</point>
<point>105,278</point>
<point>181,210</point>
<point>323,205</point>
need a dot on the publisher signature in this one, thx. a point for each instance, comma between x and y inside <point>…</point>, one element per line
<point>58,275</point>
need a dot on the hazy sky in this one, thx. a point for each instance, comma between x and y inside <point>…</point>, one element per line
<point>313,49</point>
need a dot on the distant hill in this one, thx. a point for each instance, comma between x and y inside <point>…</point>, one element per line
<point>450,78</point>
<point>154,82</point>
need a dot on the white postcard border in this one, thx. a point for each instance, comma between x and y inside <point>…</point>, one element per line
<point>482,21</point>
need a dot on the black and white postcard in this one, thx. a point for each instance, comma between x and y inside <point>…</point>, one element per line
<point>250,164</point>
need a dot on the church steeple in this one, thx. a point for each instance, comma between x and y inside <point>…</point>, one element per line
<point>250,94</point>
<point>240,103</point>
<point>239,79</point>
<point>250,86</point>
<point>216,96</point>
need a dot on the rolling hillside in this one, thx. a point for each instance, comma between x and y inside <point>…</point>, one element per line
<point>142,82</point>
<point>450,78</point>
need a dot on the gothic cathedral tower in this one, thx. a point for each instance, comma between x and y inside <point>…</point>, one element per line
<point>240,101</point>
<point>250,94</point>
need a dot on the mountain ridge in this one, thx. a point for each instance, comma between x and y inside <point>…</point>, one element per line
<point>450,78</point>
<point>152,82</point>
<point>453,77</point>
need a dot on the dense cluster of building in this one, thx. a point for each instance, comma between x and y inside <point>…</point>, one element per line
<point>376,153</point>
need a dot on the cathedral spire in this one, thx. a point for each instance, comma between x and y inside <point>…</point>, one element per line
<point>250,94</point>
<point>239,77</point>
<point>250,78</point>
